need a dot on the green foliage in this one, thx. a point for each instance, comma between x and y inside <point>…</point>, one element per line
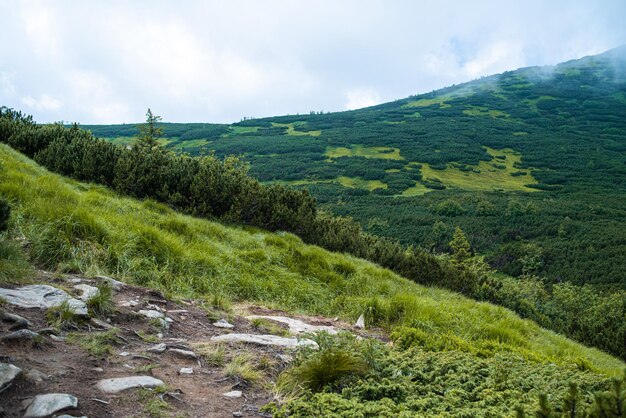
<point>101,304</point>
<point>150,132</point>
<point>242,367</point>
<point>460,247</point>
<point>62,316</point>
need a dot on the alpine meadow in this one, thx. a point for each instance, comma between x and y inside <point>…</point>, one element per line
<point>456,253</point>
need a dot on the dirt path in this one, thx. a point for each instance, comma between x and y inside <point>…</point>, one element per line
<point>60,361</point>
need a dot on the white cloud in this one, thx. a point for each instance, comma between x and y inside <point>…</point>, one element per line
<point>362,97</point>
<point>44,102</point>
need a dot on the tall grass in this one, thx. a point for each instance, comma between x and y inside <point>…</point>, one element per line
<point>87,229</point>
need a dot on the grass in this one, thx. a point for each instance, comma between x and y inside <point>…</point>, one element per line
<point>417,190</point>
<point>62,316</point>
<point>441,101</point>
<point>483,111</point>
<point>93,229</point>
<point>98,344</point>
<point>267,326</point>
<point>213,354</point>
<point>384,153</point>
<point>242,367</point>
<point>496,174</point>
<point>291,129</point>
<point>358,183</point>
<point>102,303</point>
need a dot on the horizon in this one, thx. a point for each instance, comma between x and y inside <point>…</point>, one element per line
<point>282,59</point>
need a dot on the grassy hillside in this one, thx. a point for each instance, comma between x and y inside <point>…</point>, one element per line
<point>533,157</point>
<point>71,226</point>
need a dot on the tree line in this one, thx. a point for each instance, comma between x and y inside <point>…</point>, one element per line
<point>216,188</point>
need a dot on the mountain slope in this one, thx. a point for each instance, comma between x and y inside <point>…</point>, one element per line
<point>86,228</point>
<point>528,161</point>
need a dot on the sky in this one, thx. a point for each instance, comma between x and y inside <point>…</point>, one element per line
<point>220,61</point>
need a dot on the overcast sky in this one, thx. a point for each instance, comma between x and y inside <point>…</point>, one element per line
<point>218,61</point>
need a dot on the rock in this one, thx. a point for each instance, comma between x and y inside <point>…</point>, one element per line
<point>48,331</point>
<point>69,416</point>
<point>233,394</point>
<point>17,321</point>
<point>120,384</point>
<point>100,323</point>
<point>186,370</point>
<point>237,414</point>
<point>22,334</point>
<point>36,376</point>
<point>115,285</point>
<point>157,348</point>
<point>272,340</point>
<point>8,373</point>
<point>295,325</point>
<point>98,369</point>
<point>57,339</point>
<point>222,323</point>
<point>48,404</point>
<point>159,316</point>
<point>124,353</point>
<point>128,303</point>
<point>184,353</point>
<point>42,296</point>
<point>87,292</point>
<point>360,323</point>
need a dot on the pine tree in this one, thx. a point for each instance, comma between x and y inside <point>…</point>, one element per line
<point>150,132</point>
<point>460,247</point>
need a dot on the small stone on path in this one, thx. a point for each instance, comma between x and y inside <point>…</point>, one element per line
<point>157,348</point>
<point>18,321</point>
<point>120,384</point>
<point>233,394</point>
<point>22,334</point>
<point>49,403</point>
<point>184,353</point>
<point>87,292</point>
<point>186,370</point>
<point>222,323</point>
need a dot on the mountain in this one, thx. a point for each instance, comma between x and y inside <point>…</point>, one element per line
<point>529,163</point>
<point>449,353</point>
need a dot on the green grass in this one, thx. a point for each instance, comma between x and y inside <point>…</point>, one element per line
<point>98,344</point>
<point>93,229</point>
<point>242,367</point>
<point>291,129</point>
<point>441,101</point>
<point>483,111</point>
<point>384,153</point>
<point>358,183</point>
<point>487,175</point>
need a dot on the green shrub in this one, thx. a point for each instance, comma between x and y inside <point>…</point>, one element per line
<point>5,212</point>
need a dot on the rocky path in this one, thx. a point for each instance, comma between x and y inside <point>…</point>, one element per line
<point>148,357</point>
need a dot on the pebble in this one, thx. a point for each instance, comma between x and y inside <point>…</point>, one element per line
<point>101,324</point>
<point>222,323</point>
<point>237,414</point>
<point>184,353</point>
<point>36,376</point>
<point>87,292</point>
<point>115,285</point>
<point>157,348</point>
<point>233,394</point>
<point>186,370</point>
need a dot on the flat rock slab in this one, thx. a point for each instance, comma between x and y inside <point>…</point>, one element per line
<point>184,353</point>
<point>295,325</point>
<point>8,373</point>
<point>120,384</point>
<point>271,340</point>
<point>20,335</point>
<point>42,296</point>
<point>48,404</point>
<point>157,348</point>
<point>114,284</point>
<point>87,292</point>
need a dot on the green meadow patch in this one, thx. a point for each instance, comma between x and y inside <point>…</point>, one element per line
<point>384,153</point>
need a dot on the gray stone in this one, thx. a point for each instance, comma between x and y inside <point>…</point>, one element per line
<point>186,370</point>
<point>100,323</point>
<point>184,353</point>
<point>87,292</point>
<point>42,296</point>
<point>295,325</point>
<point>17,321</point>
<point>36,376</point>
<point>157,348</point>
<point>163,320</point>
<point>233,394</point>
<point>8,373</point>
<point>69,416</point>
<point>22,334</point>
<point>222,323</point>
<point>114,284</point>
<point>360,323</point>
<point>120,384</point>
<point>237,414</point>
<point>271,340</point>
<point>48,404</point>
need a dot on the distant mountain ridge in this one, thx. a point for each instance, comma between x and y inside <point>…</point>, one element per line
<point>534,156</point>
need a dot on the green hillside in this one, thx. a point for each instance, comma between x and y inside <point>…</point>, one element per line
<point>451,355</point>
<point>528,163</point>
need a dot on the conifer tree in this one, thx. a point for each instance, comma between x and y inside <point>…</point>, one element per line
<point>460,246</point>
<point>150,132</point>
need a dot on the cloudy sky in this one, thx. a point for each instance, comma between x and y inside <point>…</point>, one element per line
<point>218,61</point>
